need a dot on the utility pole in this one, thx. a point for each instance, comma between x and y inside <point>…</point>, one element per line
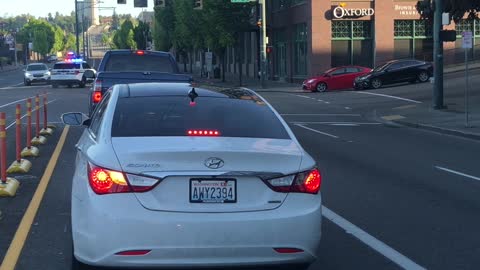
<point>438,56</point>
<point>76,27</point>
<point>15,46</point>
<point>263,42</point>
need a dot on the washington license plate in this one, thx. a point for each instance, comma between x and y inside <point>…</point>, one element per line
<point>213,190</point>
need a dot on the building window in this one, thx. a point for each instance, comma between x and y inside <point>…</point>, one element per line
<point>280,43</point>
<point>352,43</point>
<point>413,39</point>
<point>465,26</point>
<point>300,55</point>
<point>284,4</point>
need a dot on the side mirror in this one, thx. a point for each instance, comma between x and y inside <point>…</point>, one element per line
<point>328,75</point>
<point>75,119</point>
<point>89,74</point>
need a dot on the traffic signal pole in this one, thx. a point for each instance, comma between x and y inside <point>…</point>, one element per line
<point>438,56</point>
<point>263,42</point>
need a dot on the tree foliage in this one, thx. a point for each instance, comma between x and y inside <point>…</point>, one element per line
<point>458,9</point>
<point>41,33</point>
<point>141,35</point>
<point>164,27</point>
<point>124,37</point>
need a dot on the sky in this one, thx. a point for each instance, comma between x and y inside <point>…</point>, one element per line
<point>43,7</point>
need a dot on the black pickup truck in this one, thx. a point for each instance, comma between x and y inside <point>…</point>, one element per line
<point>133,66</point>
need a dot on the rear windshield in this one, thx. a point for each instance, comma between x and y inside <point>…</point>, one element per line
<point>134,62</point>
<point>66,66</point>
<point>174,116</point>
<point>36,67</point>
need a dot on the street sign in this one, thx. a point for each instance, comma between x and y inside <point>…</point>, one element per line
<point>467,40</point>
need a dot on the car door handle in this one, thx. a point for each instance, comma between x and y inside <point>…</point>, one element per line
<point>78,147</point>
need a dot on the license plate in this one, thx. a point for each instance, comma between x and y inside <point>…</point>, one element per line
<point>213,190</point>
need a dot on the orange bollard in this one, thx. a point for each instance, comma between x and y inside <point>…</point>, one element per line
<point>38,140</point>
<point>3,149</point>
<point>29,151</point>
<point>8,186</point>
<point>19,165</point>
<point>46,130</point>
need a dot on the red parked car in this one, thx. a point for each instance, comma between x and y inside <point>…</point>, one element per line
<point>335,79</point>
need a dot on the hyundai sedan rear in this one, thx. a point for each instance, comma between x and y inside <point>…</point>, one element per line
<point>173,176</point>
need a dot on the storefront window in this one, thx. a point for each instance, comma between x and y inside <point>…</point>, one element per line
<point>413,39</point>
<point>300,56</point>
<point>352,43</point>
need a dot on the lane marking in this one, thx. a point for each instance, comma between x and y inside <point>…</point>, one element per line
<point>320,100</point>
<point>336,123</point>
<point>320,114</point>
<point>348,108</point>
<point>316,131</point>
<point>25,115</point>
<point>388,96</point>
<point>458,173</point>
<point>14,250</point>
<point>301,96</point>
<point>371,241</point>
<point>16,101</point>
<point>392,117</point>
<point>404,107</point>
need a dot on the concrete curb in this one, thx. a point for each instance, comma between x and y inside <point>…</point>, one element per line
<point>9,70</point>
<point>447,131</point>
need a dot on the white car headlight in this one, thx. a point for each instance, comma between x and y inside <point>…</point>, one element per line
<point>311,81</point>
<point>47,73</point>
<point>28,74</point>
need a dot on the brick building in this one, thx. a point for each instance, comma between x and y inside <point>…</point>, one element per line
<point>310,36</point>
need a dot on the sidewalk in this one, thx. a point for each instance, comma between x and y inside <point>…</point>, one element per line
<point>254,84</point>
<point>8,68</point>
<point>449,121</point>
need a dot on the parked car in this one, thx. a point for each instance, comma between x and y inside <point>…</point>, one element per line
<point>36,72</point>
<point>52,58</point>
<point>395,71</point>
<point>335,79</point>
<point>72,72</point>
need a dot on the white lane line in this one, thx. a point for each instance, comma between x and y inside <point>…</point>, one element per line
<point>371,241</point>
<point>25,115</point>
<point>320,114</point>
<point>458,173</point>
<point>319,132</point>
<point>14,102</point>
<point>326,102</point>
<point>348,108</point>
<point>321,100</point>
<point>388,96</point>
<point>302,96</point>
<point>336,123</point>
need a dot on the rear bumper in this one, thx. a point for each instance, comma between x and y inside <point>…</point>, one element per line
<point>101,229</point>
<point>38,79</point>
<point>63,82</point>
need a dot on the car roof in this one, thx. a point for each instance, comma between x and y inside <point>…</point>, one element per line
<point>183,89</point>
<point>126,51</point>
<point>36,64</point>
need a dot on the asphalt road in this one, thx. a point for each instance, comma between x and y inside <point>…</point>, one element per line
<point>394,197</point>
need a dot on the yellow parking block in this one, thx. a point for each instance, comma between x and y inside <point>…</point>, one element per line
<point>39,140</point>
<point>48,131</point>
<point>9,189</point>
<point>23,166</point>
<point>30,152</point>
<point>52,126</point>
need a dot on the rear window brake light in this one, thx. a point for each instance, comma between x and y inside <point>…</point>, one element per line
<point>139,52</point>
<point>203,132</point>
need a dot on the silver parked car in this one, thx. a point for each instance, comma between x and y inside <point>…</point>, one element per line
<point>37,72</point>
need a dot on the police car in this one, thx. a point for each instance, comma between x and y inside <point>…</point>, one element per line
<point>72,72</point>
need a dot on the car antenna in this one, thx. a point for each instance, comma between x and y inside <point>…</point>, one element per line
<point>192,94</point>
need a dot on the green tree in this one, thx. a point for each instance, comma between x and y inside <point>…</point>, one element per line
<point>59,44</point>
<point>164,27</point>
<point>141,35</point>
<point>70,42</point>
<point>41,33</point>
<point>123,38</point>
<point>40,42</point>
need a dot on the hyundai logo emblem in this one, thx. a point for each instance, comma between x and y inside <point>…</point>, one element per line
<point>214,163</point>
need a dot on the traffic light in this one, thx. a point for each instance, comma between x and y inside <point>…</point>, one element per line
<point>140,3</point>
<point>160,3</point>
<point>198,4</point>
<point>424,7</point>
<point>121,2</point>
<point>269,49</point>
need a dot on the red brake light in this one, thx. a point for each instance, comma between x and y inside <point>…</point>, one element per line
<point>140,52</point>
<point>97,97</point>
<point>104,181</point>
<point>304,182</point>
<point>209,133</point>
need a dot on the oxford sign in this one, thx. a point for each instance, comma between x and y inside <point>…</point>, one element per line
<point>341,12</point>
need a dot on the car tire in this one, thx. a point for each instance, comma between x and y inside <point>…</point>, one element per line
<point>376,83</point>
<point>423,77</point>
<point>321,87</point>
<point>82,85</point>
<point>27,83</point>
<point>69,86</point>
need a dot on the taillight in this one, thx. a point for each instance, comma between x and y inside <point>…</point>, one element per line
<point>105,181</point>
<point>139,52</point>
<point>304,182</point>
<point>203,132</point>
<point>97,97</point>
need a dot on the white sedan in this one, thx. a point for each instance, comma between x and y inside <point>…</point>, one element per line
<point>167,175</point>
